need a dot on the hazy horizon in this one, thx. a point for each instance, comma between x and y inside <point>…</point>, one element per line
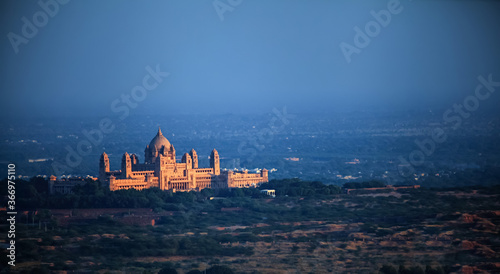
<point>249,58</point>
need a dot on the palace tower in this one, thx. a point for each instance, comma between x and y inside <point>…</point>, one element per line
<point>161,169</point>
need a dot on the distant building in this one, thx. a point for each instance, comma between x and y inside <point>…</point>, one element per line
<point>66,185</point>
<point>270,192</point>
<point>160,169</point>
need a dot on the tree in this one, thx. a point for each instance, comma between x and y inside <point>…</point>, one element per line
<point>403,270</point>
<point>219,269</point>
<point>388,269</point>
<point>168,270</point>
<point>416,270</point>
<point>430,270</point>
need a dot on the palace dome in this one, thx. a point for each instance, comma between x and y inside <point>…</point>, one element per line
<point>159,141</point>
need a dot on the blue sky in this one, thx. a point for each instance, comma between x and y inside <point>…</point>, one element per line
<point>263,54</point>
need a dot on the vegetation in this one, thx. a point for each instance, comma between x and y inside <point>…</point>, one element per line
<point>369,184</point>
<point>94,195</point>
<point>308,227</point>
<point>296,187</point>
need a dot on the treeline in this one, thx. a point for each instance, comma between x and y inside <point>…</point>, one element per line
<point>141,246</point>
<point>34,194</point>
<point>95,195</point>
<point>216,269</point>
<point>296,187</point>
<point>390,269</point>
<point>369,184</point>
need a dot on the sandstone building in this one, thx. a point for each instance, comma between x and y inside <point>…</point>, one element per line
<point>160,169</point>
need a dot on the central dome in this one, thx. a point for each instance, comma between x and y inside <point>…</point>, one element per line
<point>159,141</point>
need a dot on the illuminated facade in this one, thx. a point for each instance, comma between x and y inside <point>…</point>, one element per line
<point>160,169</point>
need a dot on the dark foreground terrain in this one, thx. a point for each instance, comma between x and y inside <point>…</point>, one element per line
<point>308,228</point>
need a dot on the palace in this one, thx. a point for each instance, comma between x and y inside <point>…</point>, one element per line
<point>161,169</point>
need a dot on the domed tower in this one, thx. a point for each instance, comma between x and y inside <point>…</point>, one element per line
<point>103,166</point>
<point>194,156</point>
<point>159,145</point>
<point>214,162</point>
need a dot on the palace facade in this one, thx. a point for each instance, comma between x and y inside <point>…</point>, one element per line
<point>161,169</point>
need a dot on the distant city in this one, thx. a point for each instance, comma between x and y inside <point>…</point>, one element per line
<point>333,148</point>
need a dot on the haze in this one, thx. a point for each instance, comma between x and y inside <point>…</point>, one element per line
<point>259,55</point>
